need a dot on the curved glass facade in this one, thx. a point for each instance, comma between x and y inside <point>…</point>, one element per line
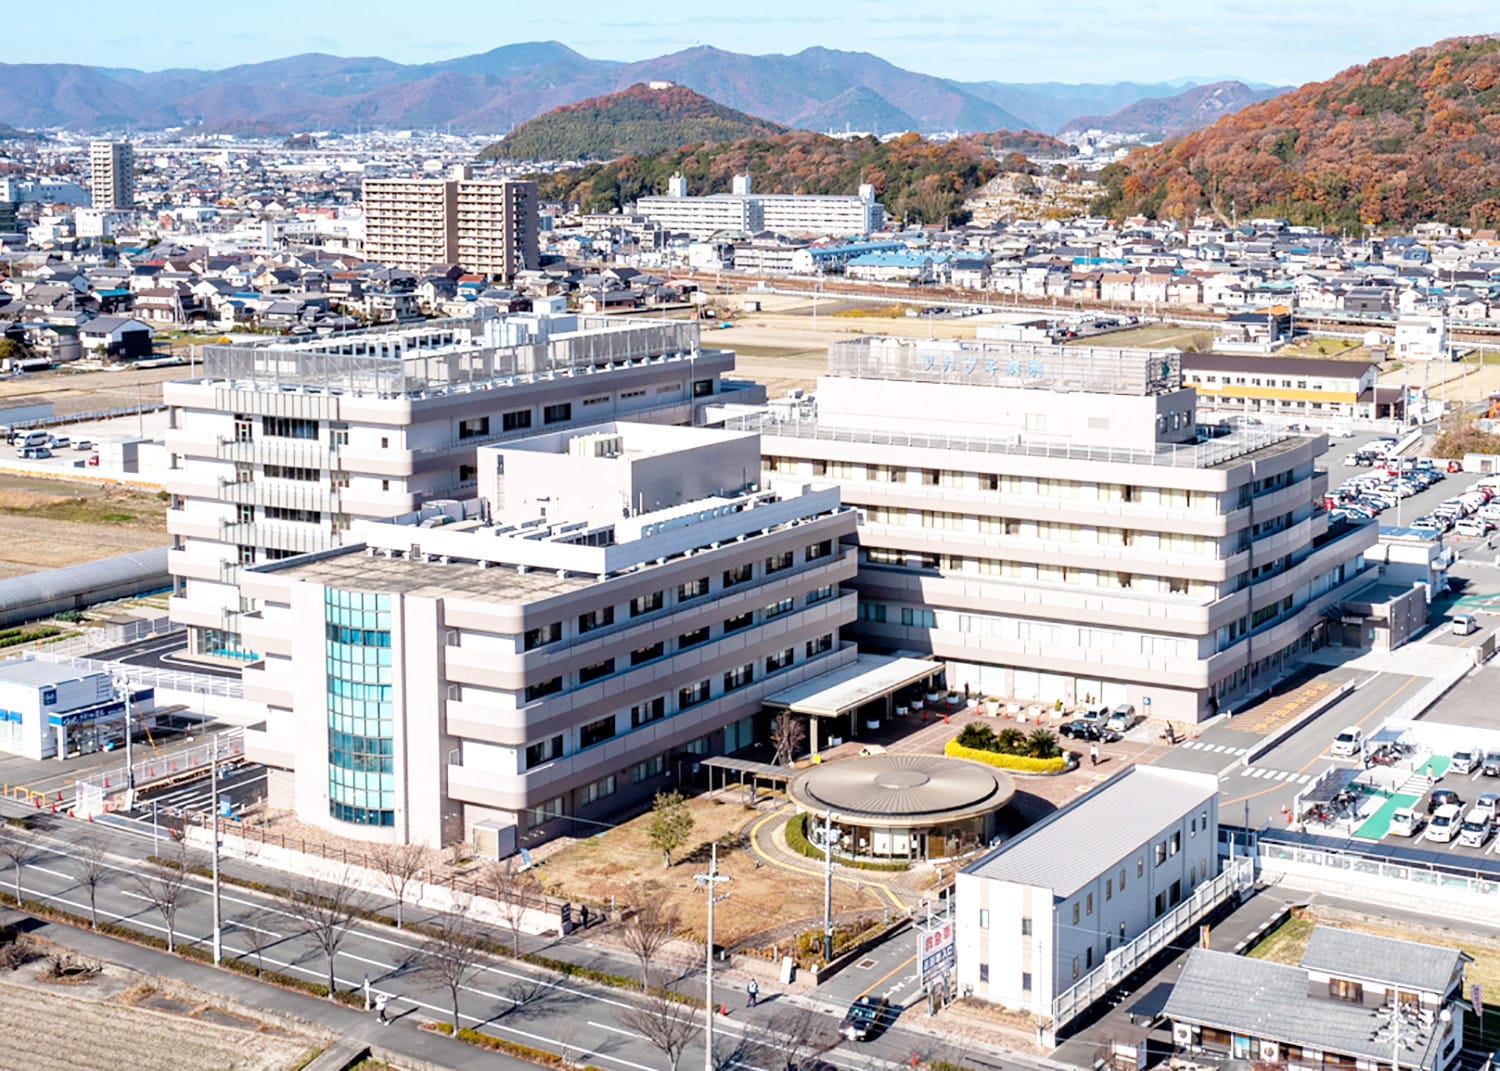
<point>361,742</point>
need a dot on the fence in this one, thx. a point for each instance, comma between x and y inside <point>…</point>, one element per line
<point>150,676</point>
<point>162,767</point>
<point>82,418</point>
<point>1238,874</point>
<point>113,635</point>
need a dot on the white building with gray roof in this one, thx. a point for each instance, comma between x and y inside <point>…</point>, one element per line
<point>1044,909</point>
<point>1354,1001</point>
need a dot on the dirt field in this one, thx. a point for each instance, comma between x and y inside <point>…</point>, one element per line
<point>1152,336</point>
<point>72,391</point>
<point>61,1028</point>
<point>48,523</point>
<point>618,862</point>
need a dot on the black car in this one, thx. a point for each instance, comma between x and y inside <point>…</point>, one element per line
<point>866,1018</point>
<point>1091,731</point>
<point>1443,796</point>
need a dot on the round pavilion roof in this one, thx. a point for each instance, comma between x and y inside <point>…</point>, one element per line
<point>901,789</point>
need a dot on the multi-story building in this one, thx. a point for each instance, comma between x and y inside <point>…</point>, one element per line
<point>1304,388</point>
<point>112,175</point>
<point>490,227</point>
<point>744,212</point>
<point>615,607</point>
<point>1056,525</point>
<point>278,447</point>
<point>1047,907</point>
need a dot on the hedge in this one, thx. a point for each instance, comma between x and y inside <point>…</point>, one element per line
<point>1021,763</point>
<point>796,840</point>
<point>511,1048</point>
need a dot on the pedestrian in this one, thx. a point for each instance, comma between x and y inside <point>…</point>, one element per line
<point>380,1008</point>
<point>751,992</point>
<point>1093,754</point>
<point>584,914</point>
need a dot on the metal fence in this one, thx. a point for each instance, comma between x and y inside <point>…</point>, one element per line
<point>93,414</point>
<point>112,635</point>
<point>1238,874</point>
<point>151,676</point>
<point>165,766</point>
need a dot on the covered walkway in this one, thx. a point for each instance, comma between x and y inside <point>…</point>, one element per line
<point>850,689</point>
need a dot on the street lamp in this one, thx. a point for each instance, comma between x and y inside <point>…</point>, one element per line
<point>709,880</point>
<point>213,806</point>
<point>828,887</point>
<point>123,684</point>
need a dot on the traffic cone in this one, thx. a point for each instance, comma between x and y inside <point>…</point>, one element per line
<point>723,1009</point>
<point>91,816</point>
<point>945,719</point>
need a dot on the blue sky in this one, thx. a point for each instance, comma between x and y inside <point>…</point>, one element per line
<point>1274,41</point>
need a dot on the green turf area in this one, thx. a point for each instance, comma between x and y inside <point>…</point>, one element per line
<point>1434,767</point>
<point>1379,823</point>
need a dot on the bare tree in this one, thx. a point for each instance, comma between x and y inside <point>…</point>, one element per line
<point>257,937</point>
<point>453,954</point>
<point>649,928</point>
<point>668,1024</point>
<point>788,737</point>
<point>516,892</point>
<point>326,913</point>
<point>18,848</point>
<point>400,865</point>
<point>162,884</point>
<point>796,1037</point>
<point>90,867</point>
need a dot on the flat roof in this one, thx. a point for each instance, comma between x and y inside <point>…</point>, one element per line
<point>31,671</point>
<point>357,571</point>
<point>853,685</point>
<point>1072,846</point>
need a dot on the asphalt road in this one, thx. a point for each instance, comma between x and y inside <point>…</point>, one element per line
<point>163,652</point>
<point>512,1000</point>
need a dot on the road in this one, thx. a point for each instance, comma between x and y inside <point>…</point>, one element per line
<point>163,652</point>
<point>506,998</point>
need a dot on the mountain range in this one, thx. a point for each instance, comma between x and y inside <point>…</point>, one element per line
<point>817,88</point>
<point>1161,117</point>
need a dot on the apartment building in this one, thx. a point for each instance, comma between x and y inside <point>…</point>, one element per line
<point>490,227</point>
<point>743,211</point>
<point>1055,524</point>
<point>112,175</point>
<point>614,608</point>
<point>1298,387</point>
<point>1048,906</point>
<point>278,447</point>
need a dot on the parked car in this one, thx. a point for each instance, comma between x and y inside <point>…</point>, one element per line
<point>1463,624</point>
<point>1476,829</point>
<point>33,453</point>
<point>1465,760</point>
<point>1489,802</point>
<point>83,445</point>
<point>1491,767</point>
<point>866,1018</point>
<point>1090,731</point>
<point>1406,823</point>
<point>1121,719</point>
<point>1444,824</point>
<point>1349,742</point>
<point>1443,797</point>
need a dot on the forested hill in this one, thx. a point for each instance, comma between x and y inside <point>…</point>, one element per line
<point>1393,142</point>
<point>915,179</point>
<point>639,120</point>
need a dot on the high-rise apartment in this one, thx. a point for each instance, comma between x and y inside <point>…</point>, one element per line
<point>278,447</point>
<point>489,227</point>
<point>747,212</point>
<point>1053,522</point>
<point>615,606</point>
<point>112,175</point>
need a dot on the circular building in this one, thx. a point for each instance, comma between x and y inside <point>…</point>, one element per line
<point>893,806</point>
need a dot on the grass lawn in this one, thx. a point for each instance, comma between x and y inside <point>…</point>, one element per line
<point>1286,943</point>
<point>1152,336</point>
<point>1338,348</point>
<point>621,862</point>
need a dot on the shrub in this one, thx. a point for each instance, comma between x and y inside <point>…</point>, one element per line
<point>1042,745</point>
<point>1021,763</point>
<point>510,1048</point>
<point>796,840</point>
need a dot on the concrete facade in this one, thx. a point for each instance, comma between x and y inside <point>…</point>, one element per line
<point>490,227</point>
<point>545,674</point>
<point>1054,523</point>
<point>112,175</point>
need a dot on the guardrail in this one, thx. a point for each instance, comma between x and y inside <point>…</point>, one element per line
<point>1238,874</point>
<point>1270,740</point>
<point>100,639</point>
<point>150,676</point>
<point>91,790</point>
<point>93,414</point>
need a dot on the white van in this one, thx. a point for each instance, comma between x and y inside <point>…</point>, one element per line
<point>32,438</point>
<point>1463,624</point>
<point>1444,824</point>
<point>1476,830</point>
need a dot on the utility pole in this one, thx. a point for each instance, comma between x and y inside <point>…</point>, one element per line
<point>828,888</point>
<point>709,880</point>
<point>124,685</point>
<point>213,796</point>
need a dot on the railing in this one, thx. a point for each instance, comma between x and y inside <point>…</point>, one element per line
<point>161,767</point>
<point>93,414</point>
<point>1238,874</point>
<point>1198,456</point>
<point>112,636</point>
<point>150,676</point>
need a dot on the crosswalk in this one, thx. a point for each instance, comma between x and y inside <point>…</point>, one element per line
<point>1275,775</point>
<point>1220,749</point>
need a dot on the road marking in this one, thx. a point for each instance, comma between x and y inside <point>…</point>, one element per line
<point>894,970</point>
<point>617,1030</point>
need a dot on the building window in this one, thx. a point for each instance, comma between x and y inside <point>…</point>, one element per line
<point>649,711</point>
<point>738,622</point>
<point>822,594</point>
<point>1109,889</point>
<point>779,562</point>
<point>819,550</point>
<point>545,688</point>
<point>872,611</point>
<point>539,637</point>
<point>645,604</point>
<point>776,609</point>
<point>739,677</point>
<point>289,427</point>
<point>692,639</point>
<point>693,589</point>
<point>596,790</point>
<point>820,645</point>
<point>1075,914</point>
<point>596,619</point>
<point>1026,981</point>
<point>647,654</point>
<point>740,574</point>
<point>1025,926</point>
<point>516,421</point>
<point>1176,843</point>
<point>1140,866</point>
<point>984,973</point>
<point>544,812</point>
<point>778,661</point>
<point>644,771</point>
<point>1122,879</point>
<point>1075,966</point>
<point>1161,852</point>
<point>596,731</point>
<point>474,426</point>
<point>692,695</point>
<point>1089,905</point>
<point>544,751</point>
<point>984,919</point>
<point>918,618</point>
<point>557,414</point>
<point>597,670</point>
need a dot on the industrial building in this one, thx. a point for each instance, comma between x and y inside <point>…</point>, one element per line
<point>279,447</point>
<point>613,609</point>
<point>1055,525</point>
